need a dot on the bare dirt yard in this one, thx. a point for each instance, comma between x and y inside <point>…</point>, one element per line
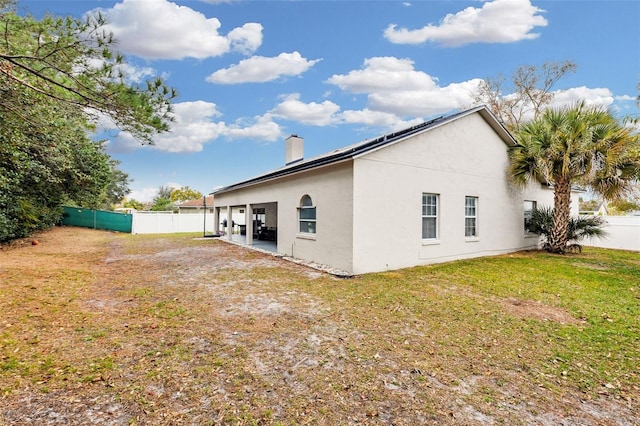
<point>99,328</point>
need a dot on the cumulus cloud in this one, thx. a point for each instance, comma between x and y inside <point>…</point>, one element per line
<point>247,38</point>
<point>394,86</point>
<point>263,128</point>
<point>598,96</point>
<point>567,97</point>
<point>383,74</point>
<point>328,113</point>
<point>498,21</point>
<point>315,114</point>
<point>136,74</point>
<point>260,69</point>
<point>625,98</point>
<point>160,29</point>
<point>378,119</point>
<point>195,126</point>
<point>144,195</point>
<point>130,72</point>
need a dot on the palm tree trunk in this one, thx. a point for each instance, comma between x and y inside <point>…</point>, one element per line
<point>561,216</point>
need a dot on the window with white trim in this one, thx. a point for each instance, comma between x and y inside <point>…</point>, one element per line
<point>470,217</point>
<point>529,207</point>
<point>307,216</point>
<point>429,216</point>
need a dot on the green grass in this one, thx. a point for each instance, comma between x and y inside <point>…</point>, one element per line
<point>457,310</point>
<point>229,335</point>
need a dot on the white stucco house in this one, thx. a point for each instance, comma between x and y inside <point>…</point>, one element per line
<point>435,192</point>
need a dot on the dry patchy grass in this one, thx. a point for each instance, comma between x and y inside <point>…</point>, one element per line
<point>103,328</point>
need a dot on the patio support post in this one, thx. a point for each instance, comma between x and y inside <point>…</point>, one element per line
<point>248,219</point>
<point>216,220</point>
<point>229,224</point>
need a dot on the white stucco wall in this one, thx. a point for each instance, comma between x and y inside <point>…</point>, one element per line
<point>369,209</point>
<point>463,158</point>
<point>331,189</point>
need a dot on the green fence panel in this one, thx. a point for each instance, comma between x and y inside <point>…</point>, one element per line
<point>97,219</point>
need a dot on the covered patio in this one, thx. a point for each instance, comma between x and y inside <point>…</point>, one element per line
<point>252,225</point>
<point>269,246</point>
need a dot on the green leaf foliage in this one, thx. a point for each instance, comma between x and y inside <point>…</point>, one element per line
<point>58,75</point>
<point>185,194</point>
<point>576,146</point>
<point>580,227</point>
<point>42,168</point>
<point>72,61</point>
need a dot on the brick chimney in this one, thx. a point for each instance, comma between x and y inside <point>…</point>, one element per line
<point>294,149</point>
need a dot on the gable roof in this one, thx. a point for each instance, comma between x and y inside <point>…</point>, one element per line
<point>352,151</point>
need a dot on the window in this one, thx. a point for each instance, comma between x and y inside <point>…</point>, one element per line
<point>470,217</point>
<point>307,216</point>
<point>529,207</point>
<point>429,216</point>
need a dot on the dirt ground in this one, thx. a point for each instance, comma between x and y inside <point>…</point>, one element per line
<point>172,331</point>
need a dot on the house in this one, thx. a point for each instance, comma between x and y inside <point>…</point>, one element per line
<point>197,206</point>
<point>435,192</point>
<point>603,210</point>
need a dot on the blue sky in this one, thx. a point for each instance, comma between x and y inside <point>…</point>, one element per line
<point>250,73</point>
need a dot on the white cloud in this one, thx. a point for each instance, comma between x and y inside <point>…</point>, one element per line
<point>144,195</point>
<point>160,29</point>
<point>122,142</point>
<point>328,113</point>
<point>378,119</point>
<point>424,103</point>
<point>247,38</point>
<point>598,96</point>
<point>260,69</point>
<point>498,21</point>
<point>568,97</point>
<point>194,127</point>
<point>625,98</point>
<point>136,74</point>
<point>130,73</point>
<point>264,128</point>
<point>394,86</point>
<point>316,114</point>
<point>384,74</point>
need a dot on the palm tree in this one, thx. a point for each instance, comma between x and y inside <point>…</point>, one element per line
<point>580,228</point>
<point>577,145</point>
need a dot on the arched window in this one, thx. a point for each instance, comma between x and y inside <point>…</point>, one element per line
<point>307,215</point>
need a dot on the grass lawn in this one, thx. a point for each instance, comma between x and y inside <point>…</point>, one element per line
<point>104,328</point>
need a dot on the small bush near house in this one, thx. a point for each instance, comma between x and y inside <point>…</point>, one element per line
<point>579,228</point>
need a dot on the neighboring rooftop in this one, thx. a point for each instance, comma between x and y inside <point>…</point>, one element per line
<point>198,202</point>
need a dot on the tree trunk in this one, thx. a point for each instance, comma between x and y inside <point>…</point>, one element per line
<point>561,216</point>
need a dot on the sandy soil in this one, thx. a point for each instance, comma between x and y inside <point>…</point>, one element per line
<point>166,331</point>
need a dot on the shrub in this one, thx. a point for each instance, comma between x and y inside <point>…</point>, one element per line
<point>580,227</point>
